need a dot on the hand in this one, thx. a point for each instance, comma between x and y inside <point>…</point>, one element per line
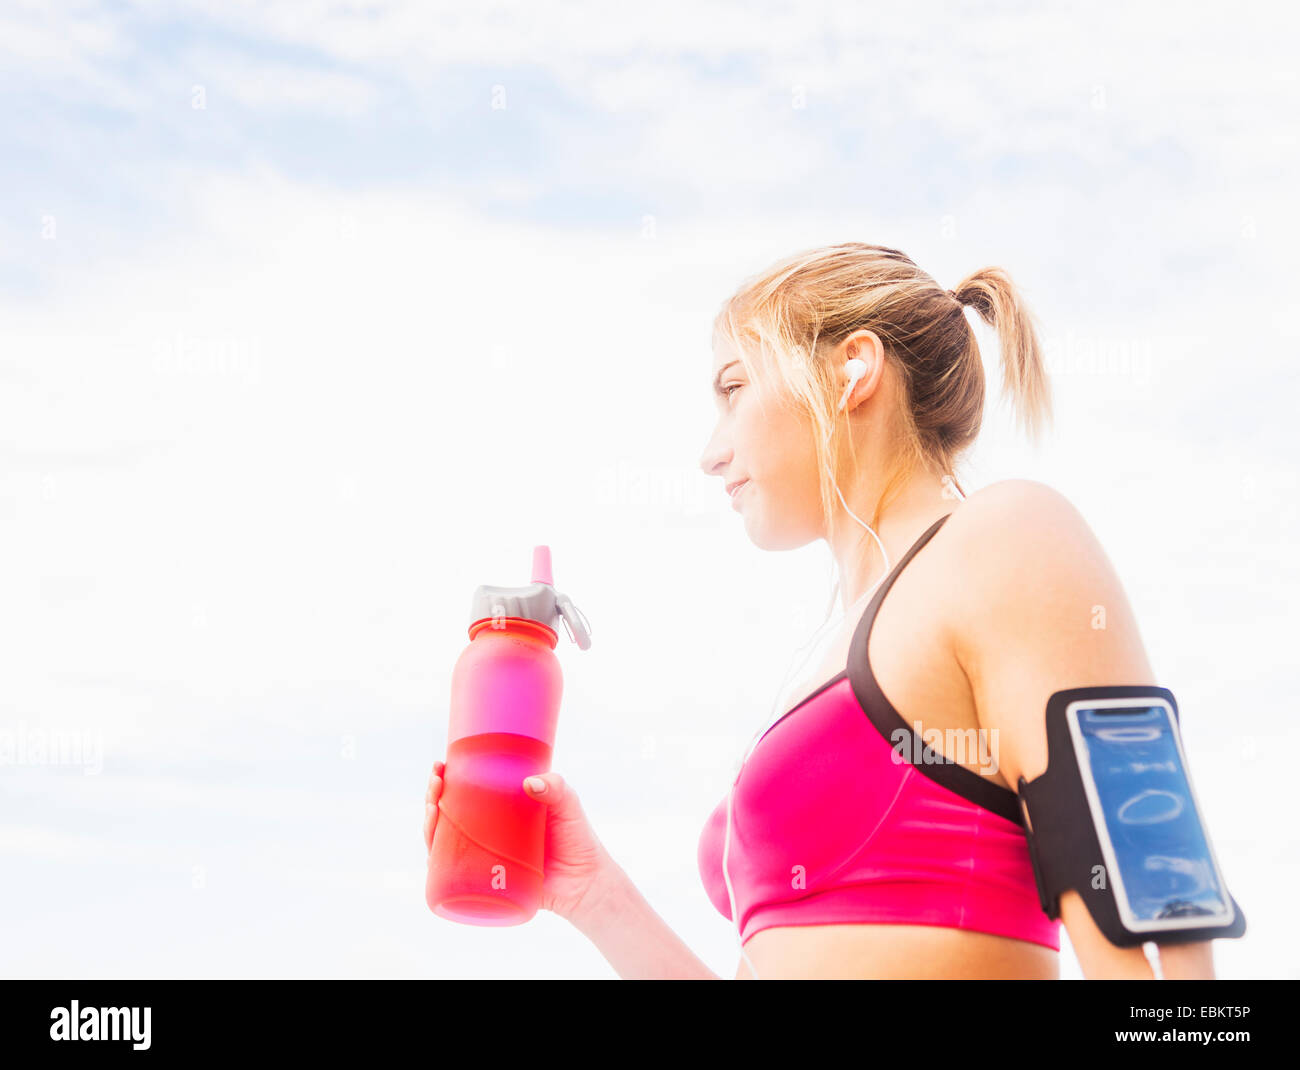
<point>575,862</point>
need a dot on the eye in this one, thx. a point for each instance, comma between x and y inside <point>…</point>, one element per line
<point>726,390</point>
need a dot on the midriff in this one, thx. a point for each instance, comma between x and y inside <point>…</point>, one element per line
<point>901,952</point>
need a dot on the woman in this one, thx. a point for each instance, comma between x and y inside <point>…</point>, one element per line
<point>848,384</point>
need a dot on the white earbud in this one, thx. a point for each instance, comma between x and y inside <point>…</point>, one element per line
<point>856,369</point>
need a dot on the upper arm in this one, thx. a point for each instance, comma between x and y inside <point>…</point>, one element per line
<point>1041,609</point>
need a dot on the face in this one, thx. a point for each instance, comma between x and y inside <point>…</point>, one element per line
<point>762,440</point>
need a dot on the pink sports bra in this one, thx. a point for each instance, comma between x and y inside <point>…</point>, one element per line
<point>835,822</point>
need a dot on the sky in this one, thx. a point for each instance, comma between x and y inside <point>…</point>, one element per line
<point>314,316</point>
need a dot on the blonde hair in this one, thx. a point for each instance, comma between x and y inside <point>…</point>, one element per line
<point>784,322</point>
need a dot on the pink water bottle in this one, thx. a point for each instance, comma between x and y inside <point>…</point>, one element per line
<point>485,867</point>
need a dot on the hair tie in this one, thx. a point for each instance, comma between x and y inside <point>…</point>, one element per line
<point>953,295</point>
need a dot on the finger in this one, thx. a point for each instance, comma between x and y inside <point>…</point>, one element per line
<point>434,790</point>
<point>430,816</point>
<point>438,769</point>
<point>551,787</point>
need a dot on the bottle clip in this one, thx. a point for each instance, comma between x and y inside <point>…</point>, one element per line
<point>575,622</point>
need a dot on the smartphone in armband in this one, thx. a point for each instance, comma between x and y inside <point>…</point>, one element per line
<point>1118,821</point>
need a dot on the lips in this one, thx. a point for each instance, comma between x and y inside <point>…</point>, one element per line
<point>737,489</point>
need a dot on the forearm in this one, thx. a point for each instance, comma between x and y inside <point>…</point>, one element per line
<point>635,940</point>
<point>1102,960</point>
<point>1188,962</point>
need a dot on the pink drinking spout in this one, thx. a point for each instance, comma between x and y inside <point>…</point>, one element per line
<point>542,565</point>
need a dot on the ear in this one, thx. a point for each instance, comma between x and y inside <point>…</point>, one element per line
<point>867,347</point>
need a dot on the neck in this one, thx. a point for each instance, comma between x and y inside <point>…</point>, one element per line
<point>920,502</point>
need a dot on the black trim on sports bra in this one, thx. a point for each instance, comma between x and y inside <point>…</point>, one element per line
<point>938,767</point>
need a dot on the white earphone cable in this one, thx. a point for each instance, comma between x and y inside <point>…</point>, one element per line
<point>856,369</point>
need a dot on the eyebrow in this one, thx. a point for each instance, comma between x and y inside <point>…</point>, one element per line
<point>717,379</point>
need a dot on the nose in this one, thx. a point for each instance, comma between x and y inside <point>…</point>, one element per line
<point>715,455</point>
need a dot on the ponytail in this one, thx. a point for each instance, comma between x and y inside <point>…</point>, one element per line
<point>992,294</point>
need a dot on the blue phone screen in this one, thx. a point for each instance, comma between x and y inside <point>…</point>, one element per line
<point>1159,843</point>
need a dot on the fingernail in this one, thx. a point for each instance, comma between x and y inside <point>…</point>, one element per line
<point>535,784</point>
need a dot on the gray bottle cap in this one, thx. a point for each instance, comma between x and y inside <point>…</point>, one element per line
<point>538,601</point>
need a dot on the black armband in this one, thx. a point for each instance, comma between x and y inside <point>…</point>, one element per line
<point>1114,818</point>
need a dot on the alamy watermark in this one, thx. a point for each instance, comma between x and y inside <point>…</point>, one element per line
<point>976,747</point>
<point>233,357</point>
<point>49,747</point>
<point>1131,357</point>
<point>76,1022</point>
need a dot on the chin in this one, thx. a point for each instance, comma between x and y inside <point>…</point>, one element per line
<point>767,538</point>
<point>766,535</point>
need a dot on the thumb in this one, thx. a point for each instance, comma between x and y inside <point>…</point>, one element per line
<point>547,787</point>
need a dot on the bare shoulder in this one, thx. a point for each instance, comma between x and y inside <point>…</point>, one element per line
<point>1015,508</point>
<point>1010,533</point>
<point>1038,607</point>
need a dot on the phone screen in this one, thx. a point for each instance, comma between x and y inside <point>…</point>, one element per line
<point>1160,861</point>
